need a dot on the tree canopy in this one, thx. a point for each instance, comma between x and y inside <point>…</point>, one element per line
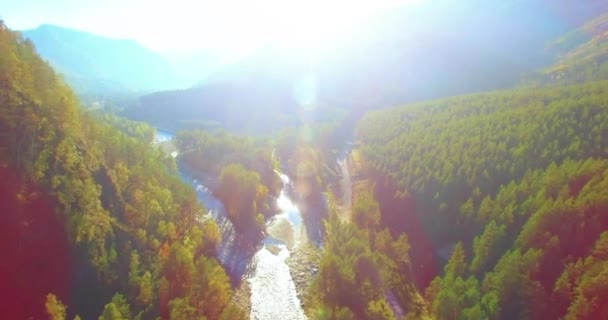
<point>129,221</point>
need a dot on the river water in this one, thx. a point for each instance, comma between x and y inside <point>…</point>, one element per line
<point>345,181</point>
<point>162,136</point>
<point>273,292</point>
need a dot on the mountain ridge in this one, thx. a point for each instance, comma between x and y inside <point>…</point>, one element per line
<point>381,65</point>
<point>101,65</point>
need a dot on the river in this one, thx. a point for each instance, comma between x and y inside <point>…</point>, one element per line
<point>273,292</point>
<point>162,136</point>
<point>345,180</point>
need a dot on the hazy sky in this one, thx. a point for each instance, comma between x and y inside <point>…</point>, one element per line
<point>188,25</point>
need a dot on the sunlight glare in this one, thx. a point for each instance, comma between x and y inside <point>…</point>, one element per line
<point>312,25</point>
<point>240,26</point>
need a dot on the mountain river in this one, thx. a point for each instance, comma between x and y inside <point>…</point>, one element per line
<point>273,292</point>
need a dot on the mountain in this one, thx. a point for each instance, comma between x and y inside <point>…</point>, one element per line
<point>406,55</point>
<point>580,55</point>
<point>511,179</point>
<point>195,67</point>
<point>91,217</point>
<point>95,65</point>
<point>255,95</point>
<point>503,184</point>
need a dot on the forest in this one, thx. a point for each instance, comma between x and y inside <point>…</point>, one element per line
<point>509,187</point>
<point>489,205</point>
<point>108,201</point>
<point>581,55</point>
<point>361,266</point>
<point>245,171</point>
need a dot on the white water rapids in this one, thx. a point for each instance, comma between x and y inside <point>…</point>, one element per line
<point>273,292</point>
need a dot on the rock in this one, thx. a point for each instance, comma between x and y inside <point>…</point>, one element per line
<point>273,249</point>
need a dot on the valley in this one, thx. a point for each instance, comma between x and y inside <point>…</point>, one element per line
<point>273,293</point>
<point>432,161</point>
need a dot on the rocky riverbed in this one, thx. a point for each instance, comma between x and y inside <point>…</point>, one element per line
<point>303,266</point>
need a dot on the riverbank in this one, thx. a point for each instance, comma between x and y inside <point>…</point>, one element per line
<point>303,265</point>
<point>208,180</point>
<point>263,286</point>
<point>242,296</point>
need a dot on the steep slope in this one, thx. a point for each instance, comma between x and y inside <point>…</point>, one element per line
<point>99,65</point>
<point>439,152</point>
<point>581,55</point>
<point>509,182</point>
<point>83,198</point>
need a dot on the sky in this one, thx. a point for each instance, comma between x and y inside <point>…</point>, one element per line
<point>182,26</point>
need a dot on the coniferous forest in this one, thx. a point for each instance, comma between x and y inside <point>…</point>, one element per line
<point>508,187</point>
<point>120,230</point>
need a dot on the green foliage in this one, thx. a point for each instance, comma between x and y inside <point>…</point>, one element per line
<point>366,211</point>
<point>379,310</point>
<point>111,312</point>
<point>117,309</point>
<point>581,55</point>
<point>207,152</point>
<point>359,267</point>
<point>139,130</point>
<point>210,152</point>
<point>131,221</point>
<point>54,308</point>
<point>517,179</point>
<point>583,285</point>
<point>246,170</point>
<point>440,152</point>
<point>561,202</point>
<point>242,193</point>
<point>181,310</point>
<point>343,314</point>
<point>456,265</point>
<point>309,150</point>
<point>486,246</point>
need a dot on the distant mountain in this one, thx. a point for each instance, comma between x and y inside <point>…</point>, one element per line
<point>448,48</point>
<point>239,107</point>
<point>581,55</point>
<point>259,94</point>
<point>95,65</point>
<point>413,54</point>
<point>194,68</point>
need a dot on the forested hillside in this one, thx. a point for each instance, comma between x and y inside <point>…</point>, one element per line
<point>364,271</point>
<point>512,183</point>
<point>581,55</point>
<point>260,105</point>
<point>103,214</point>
